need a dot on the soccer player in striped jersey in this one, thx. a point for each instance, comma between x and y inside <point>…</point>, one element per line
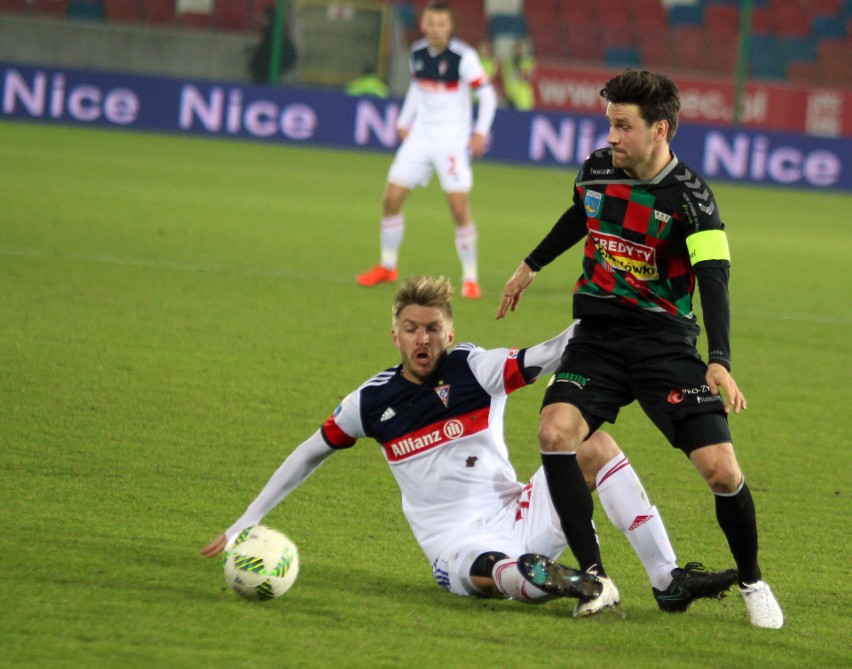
<point>438,418</point>
<point>435,126</point>
<point>652,230</point>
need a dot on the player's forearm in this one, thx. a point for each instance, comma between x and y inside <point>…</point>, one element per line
<point>298,466</point>
<point>544,358</point>
<point>487,108</point>
<point>567,231</point>
<point>712,281</point>
<point>409,108</point>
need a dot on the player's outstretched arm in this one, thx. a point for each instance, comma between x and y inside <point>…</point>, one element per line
<point>515,288</point>
<point>298,466</point>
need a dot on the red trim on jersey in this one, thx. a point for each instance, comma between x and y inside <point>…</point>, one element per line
<point>438,86</point>
<point>436,434</point>
<point>512,376</point>
<point>476,83</point>
<point>334,436</point>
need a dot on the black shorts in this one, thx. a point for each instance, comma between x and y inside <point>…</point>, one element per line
<point>608,364</point>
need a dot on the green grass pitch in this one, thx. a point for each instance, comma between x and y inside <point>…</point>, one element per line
<point>178,314</point>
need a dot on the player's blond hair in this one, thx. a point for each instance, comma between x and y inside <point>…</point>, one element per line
<point>424,291</point>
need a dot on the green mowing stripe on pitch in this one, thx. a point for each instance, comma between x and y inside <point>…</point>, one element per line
<point>178,314</point>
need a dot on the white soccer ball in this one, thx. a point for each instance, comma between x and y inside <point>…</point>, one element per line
<point>261,563</point>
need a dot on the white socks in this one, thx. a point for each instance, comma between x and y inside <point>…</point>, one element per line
<point>626,505</point>
<point>510,582</point>
<point>392,230</point>
<point>466,237</point>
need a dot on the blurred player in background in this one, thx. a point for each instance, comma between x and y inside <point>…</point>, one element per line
<point>434,125</point>
<point>652,230</point>
<point>438,417</point>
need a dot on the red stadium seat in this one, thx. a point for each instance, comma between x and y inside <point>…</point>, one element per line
<point>123,10</point>
<point>804,73</point>
<point>789,21</point>
<point>20,6</point>
<point>722,21</point>
<point>584,42</point>
<point>232,15</point>
<point>470,21</point>
<point>159,11</point>
<point>196,20</point>
<point>547,37</point>
<point>689,48</point>
<point>825,7</point>
<point>650,16</point>
<point>58,8</point>
<point>834,58</point>
<point>655,50</point>
<point>761,20</point>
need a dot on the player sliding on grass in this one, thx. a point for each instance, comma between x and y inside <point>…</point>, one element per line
<point>438,417</point>
<point>435,127</point>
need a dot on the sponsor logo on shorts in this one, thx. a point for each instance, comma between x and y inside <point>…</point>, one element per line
<point>701,395</point>
<point>572,378</point>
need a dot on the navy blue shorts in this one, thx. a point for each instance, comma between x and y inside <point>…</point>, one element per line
<point>609,363</point>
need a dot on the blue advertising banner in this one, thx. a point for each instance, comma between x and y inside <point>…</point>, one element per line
<point>298,116</point>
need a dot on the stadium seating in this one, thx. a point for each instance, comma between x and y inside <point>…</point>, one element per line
<point>232,15</point>
<point>55,8</point>
<point>17,6</point>
<point>86,9</point>
<point>799,40</point>
<point>128,11</point>
<point>159,12</point>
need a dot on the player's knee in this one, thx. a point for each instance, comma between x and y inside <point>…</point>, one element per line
<point>557,433</point>
<point>719,467</point>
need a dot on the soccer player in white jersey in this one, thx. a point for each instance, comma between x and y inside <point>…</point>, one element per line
<point>438,417</point>
<point>438,135</point>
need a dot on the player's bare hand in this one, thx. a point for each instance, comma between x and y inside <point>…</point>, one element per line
<point>402,133</point>
<point>478,144</point>
<point>719,378</point>
<point>514,289</point>
<point>215,547</point>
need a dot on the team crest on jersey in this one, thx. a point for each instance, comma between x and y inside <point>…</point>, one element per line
<point>442,68</point>
<point>443,393</point>
<point>592,203</point>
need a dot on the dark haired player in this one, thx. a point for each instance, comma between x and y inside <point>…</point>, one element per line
<point>651,231</point>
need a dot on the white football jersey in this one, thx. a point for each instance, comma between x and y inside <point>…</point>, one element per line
<point>438,102</point>
<point>443,439</point>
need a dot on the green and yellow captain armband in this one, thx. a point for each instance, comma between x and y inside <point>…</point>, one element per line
<point>708,245</point>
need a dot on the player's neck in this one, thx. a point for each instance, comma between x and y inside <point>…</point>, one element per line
<point>435,48</point>
<point>650,168</point>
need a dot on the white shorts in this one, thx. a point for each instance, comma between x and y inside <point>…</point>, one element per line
<point>418,158</point>
<point>528,525</point>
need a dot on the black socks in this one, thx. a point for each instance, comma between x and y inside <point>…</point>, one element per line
<point>736,516</point>
<point>573,503</point>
